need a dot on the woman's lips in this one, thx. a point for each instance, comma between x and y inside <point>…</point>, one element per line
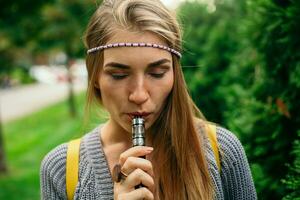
<point>144,115</point>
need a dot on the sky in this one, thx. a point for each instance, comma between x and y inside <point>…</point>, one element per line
<point>171,3</point>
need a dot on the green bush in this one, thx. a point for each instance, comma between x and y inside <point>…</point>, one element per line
<point>248,79</point>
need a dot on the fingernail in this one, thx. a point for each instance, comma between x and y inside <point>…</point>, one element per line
<point>149,149</point>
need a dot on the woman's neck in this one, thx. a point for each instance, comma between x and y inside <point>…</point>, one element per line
<point>113,134</point>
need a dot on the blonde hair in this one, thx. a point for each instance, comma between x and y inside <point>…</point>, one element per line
<point>180,167</point>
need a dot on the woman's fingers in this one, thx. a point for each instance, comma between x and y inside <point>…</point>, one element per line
<point>138,176</point>
<point>138,171</point>
<point>130,160</point>
<point>133,163</point>
<point>136,151</point>
<point>141,193</point>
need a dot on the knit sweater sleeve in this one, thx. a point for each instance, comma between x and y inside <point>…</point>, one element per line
<point>52,174</point>
<point>236,176</point>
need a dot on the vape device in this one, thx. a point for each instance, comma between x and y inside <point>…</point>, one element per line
<point>138,135</point>
<point>138,131</point>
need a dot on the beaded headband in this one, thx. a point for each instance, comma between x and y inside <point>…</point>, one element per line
<point>113,45</point>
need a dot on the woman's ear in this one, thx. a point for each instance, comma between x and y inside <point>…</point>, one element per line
<point>96,85</point>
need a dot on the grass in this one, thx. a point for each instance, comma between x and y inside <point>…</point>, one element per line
<point>28,140</point>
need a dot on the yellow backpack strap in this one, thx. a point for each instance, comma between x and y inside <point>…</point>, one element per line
<point>72,167</point>
<point>212,136</point>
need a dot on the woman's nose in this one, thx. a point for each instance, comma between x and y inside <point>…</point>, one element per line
<point>138,93</point>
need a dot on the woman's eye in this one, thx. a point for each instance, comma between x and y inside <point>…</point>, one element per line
<point>157,75</point>
<point>118,76</point>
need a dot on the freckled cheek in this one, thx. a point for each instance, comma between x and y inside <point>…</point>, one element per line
<point>111,93</point>
<point>163,91</point>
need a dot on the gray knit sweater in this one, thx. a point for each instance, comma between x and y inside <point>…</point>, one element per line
<point>95,182</point>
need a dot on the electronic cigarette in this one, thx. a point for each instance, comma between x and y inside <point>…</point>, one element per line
<point>138,135</point>
<point>138,131</point>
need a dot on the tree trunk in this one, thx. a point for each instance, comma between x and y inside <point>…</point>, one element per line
<point>71,98</point>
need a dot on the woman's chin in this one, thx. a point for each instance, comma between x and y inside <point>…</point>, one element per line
<point>148,125</point>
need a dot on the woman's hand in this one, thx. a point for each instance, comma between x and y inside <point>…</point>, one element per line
<point>139,171</point>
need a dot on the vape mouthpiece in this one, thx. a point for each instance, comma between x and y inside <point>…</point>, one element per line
<point>138,131</point>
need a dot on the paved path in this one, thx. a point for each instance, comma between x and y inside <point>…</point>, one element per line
<point>21,101</point>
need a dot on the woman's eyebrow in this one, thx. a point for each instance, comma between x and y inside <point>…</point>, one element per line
<point>117,65</point>
<point>159,62</point>
<point>150,65</point>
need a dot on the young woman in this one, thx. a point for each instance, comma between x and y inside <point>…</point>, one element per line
<point>133,65</point>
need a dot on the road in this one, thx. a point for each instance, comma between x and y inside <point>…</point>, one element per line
<point>21,101</point>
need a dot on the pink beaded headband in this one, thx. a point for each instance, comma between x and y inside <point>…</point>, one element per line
<point>99,48</point>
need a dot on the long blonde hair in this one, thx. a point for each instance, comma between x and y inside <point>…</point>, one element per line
<point>180,167</point>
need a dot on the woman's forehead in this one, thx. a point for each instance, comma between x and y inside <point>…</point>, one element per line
<point>134,56</point>
<point>126,36</point>
<point>146,54</point>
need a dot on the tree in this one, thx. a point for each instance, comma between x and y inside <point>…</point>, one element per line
<point>17,33</point>
<point>248,79</point>
<point>33,27</point>
<point>64,23</point>
<point>210,41</point>
<point>271,112</point>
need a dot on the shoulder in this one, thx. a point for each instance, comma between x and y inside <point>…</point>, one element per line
<point>230,147</point>
<point>52,172</point>
<point>237,181</point>
<point>227,142</point>
<point>234,181</point>
<point>230,150</point>
<point>53,169</point>
<point>55,160</point>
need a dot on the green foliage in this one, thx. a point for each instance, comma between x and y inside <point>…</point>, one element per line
<point>64,24</point>
<point>22,75</point>
<point>33,28</point>
<point>210,43</point>
<point>17,33</point>
<point>274,111</point>
<point>292,180</point>
<point>248,80</point>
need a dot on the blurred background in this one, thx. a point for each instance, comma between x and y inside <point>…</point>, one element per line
<point>241,60</point>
